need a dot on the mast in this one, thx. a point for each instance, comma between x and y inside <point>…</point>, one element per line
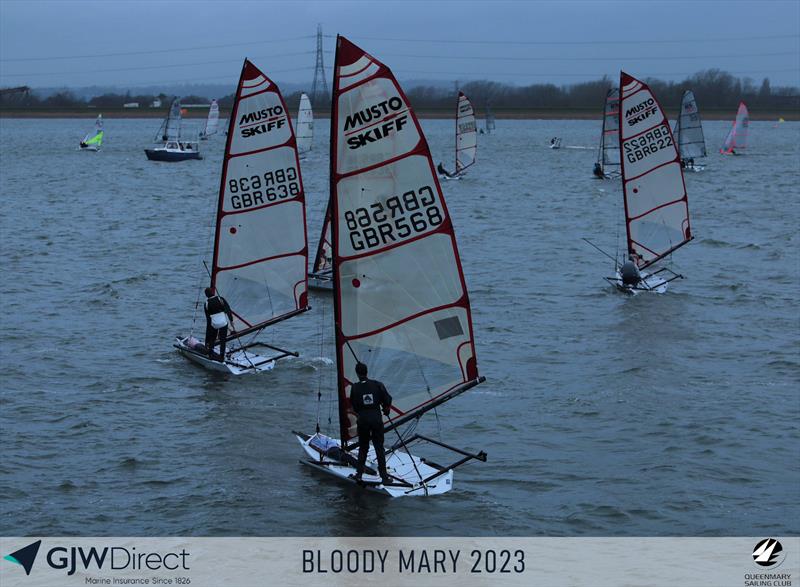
<point>400,299</point>
<point>260,243</point>
<point>656,204</point>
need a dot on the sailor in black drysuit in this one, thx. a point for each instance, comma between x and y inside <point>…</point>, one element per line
<point>218,318</point>
<point>368,398</point>
<point>598,171</point>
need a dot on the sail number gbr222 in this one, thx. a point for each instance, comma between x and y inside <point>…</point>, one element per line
<point>269,187</point>
<point>413,212</point>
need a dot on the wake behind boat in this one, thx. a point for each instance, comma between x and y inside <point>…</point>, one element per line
<point>401,305</point>
<point>93,143</point>
<point>466,140</point>
<point>173,148</point>
<point>260,244</point>
<point>654,192</point>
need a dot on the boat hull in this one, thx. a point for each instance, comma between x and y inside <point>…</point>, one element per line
<point>237,362</point>
<point>399,464</point>
<point>170,156</point>
<point>650,283</point>
<point>91,148</point>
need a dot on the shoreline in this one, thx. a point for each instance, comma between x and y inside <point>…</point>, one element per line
<point>516,114</point>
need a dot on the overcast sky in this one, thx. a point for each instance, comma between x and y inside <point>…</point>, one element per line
<point>128,43</point>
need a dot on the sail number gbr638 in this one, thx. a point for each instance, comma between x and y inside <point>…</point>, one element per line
<point>414,212</point>
<point>269,187</point>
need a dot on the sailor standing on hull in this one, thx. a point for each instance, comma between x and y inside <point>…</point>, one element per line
<point>368,398</point>
<point>218,317</point>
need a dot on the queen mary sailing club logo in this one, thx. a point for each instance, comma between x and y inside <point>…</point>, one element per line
<point>25,557</point>
<point>769,553</point>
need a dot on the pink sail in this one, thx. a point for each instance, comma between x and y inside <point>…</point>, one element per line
<point>736,141</point>
<point>400,299</point>
<point>656,205</point>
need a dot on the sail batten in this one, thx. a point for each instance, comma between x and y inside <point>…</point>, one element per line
<point>466,134</point>
<point>656,204</point>
<point>260,246</point>
<point>400,299</point>
<point>689,129</point>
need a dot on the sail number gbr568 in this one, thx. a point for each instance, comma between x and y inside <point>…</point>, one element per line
<point>257,190</point>
<point>414,212</point>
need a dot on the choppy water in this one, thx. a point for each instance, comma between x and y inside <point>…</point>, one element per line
<point>602,415</point>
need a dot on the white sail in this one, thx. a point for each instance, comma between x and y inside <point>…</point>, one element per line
<point>212,122</point>
<point>656,205</point>
<point>260,250</point>
<point>609,137</point>
<point>689,129</point>
<point>737,136</point>
<point>305,125</point>
<point>489,119</point>
<point>400,298</point>
<point>171,127</point>
<point>466,134</point>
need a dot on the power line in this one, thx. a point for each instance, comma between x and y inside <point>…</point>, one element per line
<point>624,58</point>
<point>115,69</point>
<point>156,51</point>
<point>594,75</point>
<point>595,42</point>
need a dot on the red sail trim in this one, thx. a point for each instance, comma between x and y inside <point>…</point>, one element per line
<point>459,303</point>
<point>441,229</point>
<point>257,261</point>
<point>251,72</point>
<point>683,199</point>
<point>254,208</point>
<point>626,80</point>
<point>290,143</point>
<point>670,162</point>
<point>419,149</point>
<point>346,51</point>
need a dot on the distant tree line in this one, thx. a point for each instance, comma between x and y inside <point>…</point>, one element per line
<point>713,88</point>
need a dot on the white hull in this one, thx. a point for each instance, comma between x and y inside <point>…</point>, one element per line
<point>450,177</point>
<point>237,362</point>
<point>399,464</point>
<point>650,283</point>
<point>92,148</point>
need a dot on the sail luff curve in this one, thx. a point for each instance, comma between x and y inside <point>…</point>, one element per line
<point>737,136</point>
<point>260,244</point>
<point>466,134</point>
<point>656,204</point>
<point>400,299</point>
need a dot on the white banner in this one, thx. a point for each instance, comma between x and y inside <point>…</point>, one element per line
<point>462,562</point>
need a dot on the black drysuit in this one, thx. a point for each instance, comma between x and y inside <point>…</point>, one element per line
<point>368,398</point>
<point>215,305</point>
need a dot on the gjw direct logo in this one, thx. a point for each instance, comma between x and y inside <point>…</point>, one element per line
<point>114,558</point>
<point>25,556</point>
<point>768,553</point>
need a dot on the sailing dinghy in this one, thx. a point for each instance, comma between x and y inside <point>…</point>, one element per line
<point>93,143</point>
<point>489,119</point>
<point>173,146</point>
<point>736,141</point>
<point>654,192</point>
<point>305,126</point>
<point>466,139</point>
<point>400,300</point>
<point>260,245</point>
<point>321,276</point>
<point>212,122</point>
<point>607,164</point>
<point>689,133</point>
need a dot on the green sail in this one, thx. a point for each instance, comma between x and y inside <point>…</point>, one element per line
<point>96,139</point>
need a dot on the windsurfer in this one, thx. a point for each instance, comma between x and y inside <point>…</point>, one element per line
<point>218,317</point>
<point>367,398</point>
